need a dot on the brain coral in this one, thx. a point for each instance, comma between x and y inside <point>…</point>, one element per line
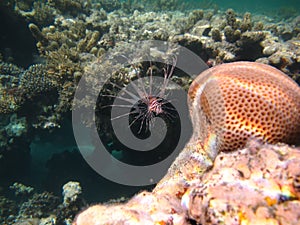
<point>242,100</point>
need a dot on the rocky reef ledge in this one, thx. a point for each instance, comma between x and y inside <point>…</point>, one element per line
<point>259,184</point>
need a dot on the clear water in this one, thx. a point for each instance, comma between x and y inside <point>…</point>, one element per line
<point>256,6</point>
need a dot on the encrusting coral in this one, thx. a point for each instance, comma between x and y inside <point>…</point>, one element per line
<point>230,105</point>
<point>255,185</point>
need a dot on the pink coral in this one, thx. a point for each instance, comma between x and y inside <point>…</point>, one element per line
<point>249,186</point>
<point>255,185</point>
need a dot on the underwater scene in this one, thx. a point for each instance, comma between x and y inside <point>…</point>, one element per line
<point>163,112</point>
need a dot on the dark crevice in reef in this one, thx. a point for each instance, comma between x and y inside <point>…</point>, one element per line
<point>295,69</point>
<point>250,52</point>
<point>37,105</point>
<point>70,165</point>
<point>193,222</point>
<point>46,160</point>
<point>16,41</point>
<point>15,163</point>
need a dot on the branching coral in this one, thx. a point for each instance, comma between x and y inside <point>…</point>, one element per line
<point>36,80</point>
<point>10,69</point>
<point>72,7</point>
<point>10,98</point>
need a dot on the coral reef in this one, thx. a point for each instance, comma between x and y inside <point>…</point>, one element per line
<point>10,69</point>
<point>9,77</point>
<point>14,161</point>
<point>31,207</point>
<point>255,185</point>
<point>206,190</point>
<point>72,7</point>
<point>71,36</point>
<point>228,101</point>
<point>66,40</point>
<point>251,186</point>
<point>36,80</point>
<point>71,190</point>
<point>8,208</point>
<point>38,206</point>
<point>21,189</point>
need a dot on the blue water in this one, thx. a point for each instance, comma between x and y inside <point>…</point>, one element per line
<point>255,6</point>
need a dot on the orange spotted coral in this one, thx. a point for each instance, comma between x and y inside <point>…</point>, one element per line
<point>242,100</point>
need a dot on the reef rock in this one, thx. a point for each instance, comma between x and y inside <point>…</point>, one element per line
<point>259,184</point>
<point>250,186</point>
